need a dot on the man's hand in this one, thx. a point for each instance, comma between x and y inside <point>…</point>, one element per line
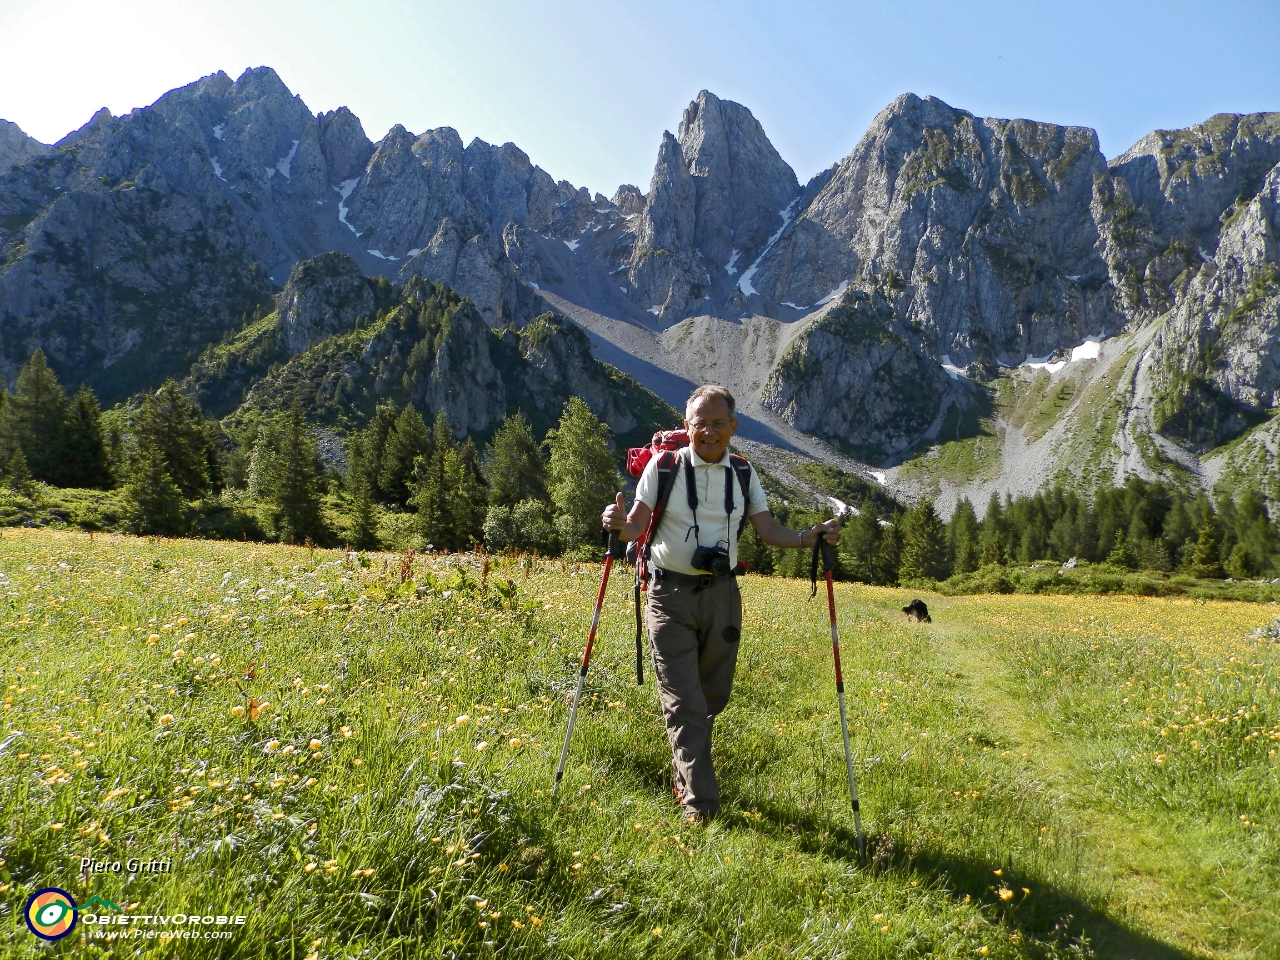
<point>830,531</point>
<point>615,515</point>
<point>629,526</point>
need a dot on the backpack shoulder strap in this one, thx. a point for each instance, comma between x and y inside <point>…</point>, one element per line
<point>668,463</point>
<point>742,468</point>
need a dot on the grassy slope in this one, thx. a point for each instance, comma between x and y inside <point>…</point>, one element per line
<point>1115,758</point>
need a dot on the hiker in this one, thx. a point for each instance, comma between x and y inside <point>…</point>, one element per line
<point>694,614</point>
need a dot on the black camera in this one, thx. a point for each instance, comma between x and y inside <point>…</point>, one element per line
<point>714,560</point>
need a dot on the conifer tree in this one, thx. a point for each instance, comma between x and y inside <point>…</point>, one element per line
<point>962,533</point>
<point>582,474</point>
<point>405,442</point>
<point>380,427</point>
<point>361,513</point>
<point>293,503</point>
<point>17,475</point>
<point>467,494</point>
<point>430,483</point>
<point>1121,555</point>
<point>860,547</point>
<point>153,502</point>
<point>889,555</point>
<point>173,426</point>
<point>1206,559</point>
<point>85,460</point>
<point>992,546</point>
<point>514,465</point>
<point>924,544</point>
<point>34,418</point>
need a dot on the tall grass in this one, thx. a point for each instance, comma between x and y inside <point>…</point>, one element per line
<point>356,753</point>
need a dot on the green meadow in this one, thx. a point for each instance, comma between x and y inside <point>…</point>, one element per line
<point>355,753</point>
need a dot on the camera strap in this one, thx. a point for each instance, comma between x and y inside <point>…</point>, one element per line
<point>737,467</point>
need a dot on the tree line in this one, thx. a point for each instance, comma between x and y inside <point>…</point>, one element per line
<point>522,493</point>
<point>1146,525</point>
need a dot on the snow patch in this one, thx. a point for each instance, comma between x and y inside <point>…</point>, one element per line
<point>954,372</point>
<point>834,294</point>
<point>380,255</point>
<point>217,169</point>
<point>219,130</point>
<point>571,244</point>
<point>656,309</point>
<point>414,252</point>
<point>793,306</point>
<point>745,283</point>
<point>624,290</point>
<point>729,267</point>
<point>344,191</point>
<point>1089,350</point>
<point>1076,278</point>
<point>534,285</point>
<point>1053,367</point>
<point>878,476</point>
<point>843,509</point>
<point>285,163</point>
<point>271,172</point>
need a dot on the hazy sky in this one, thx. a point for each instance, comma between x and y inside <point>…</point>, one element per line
<point>586,89</point>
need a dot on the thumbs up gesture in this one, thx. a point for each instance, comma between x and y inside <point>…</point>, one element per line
<point>615,515</point>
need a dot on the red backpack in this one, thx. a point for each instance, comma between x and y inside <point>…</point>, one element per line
<point>666,446</point>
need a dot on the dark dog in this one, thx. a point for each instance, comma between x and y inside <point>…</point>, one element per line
<point>917,611</point>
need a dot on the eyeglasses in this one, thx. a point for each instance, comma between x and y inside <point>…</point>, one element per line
<point>701,426</point>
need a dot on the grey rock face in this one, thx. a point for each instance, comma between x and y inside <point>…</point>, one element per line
<point>854,379</point>
<point>325,295</point>
<point>980,228</point>
<point>558,364</point>
<point>1218,349</point>
<point>16,147</point>
<point>719,192</point>
<point>343,144</point>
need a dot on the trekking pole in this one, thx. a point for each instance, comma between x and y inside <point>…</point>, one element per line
<point>828,564</point>
<point>639,632</point>
<point>611,542</point>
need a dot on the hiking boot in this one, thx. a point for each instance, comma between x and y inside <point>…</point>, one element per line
<point>696,818</point>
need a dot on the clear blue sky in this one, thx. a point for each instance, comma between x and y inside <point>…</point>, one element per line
<point>586,88</point>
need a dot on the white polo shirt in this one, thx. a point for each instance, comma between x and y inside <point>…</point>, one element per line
<point>673,540</point>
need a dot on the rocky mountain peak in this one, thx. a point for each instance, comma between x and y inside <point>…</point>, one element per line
<point>343,142</point>
<point>325,295</point>
<point>719,192</point>
<point>17,147</point>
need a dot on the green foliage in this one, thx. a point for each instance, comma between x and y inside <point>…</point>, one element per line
<point>361,513</point>
<point>583,474</point>
<point>526,527</point>
<point>405,442</point>
<point>1206,559</point>
<point>153,501</point>
<point>513,464</point>
<point>467,494</point>
<point>291,493</point>
<point>962,538</point>
<point>170,426</point>
<point>924,544</point>
<point>61,439</point>
<point>432,496</point>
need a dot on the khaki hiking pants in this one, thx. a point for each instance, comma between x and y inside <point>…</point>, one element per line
<point>693,635</point>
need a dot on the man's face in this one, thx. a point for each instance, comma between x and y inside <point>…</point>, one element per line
<point>710,427</point>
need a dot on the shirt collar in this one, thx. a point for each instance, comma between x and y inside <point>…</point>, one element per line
<point>697,461</point>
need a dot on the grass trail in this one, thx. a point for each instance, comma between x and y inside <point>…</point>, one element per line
<point>357,754</point>
<point>1138,858</point>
